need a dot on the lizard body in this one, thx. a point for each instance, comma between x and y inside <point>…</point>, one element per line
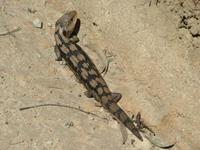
<point>85,70</point>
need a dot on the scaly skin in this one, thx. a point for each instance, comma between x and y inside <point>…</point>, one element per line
<point>85,70</point>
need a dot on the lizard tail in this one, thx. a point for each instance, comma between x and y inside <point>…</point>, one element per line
<point>124,119</point>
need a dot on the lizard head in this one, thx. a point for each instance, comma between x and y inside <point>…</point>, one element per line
<point>67,23</point>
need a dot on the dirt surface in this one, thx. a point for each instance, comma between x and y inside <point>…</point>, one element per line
<point>155,63</point>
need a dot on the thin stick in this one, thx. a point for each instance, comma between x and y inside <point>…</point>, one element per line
<point>17,142</point>
<point>10,32</point>
<point>67,106</point>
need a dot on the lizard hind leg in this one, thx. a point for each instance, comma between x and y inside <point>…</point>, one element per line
<point>123,132</point>
<point>59,56</point>
<point>116,97</point>
<point>89,95</point>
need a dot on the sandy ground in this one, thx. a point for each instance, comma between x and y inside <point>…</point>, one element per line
<point>155,64</point>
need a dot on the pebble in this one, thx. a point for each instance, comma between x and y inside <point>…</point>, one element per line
<point>37,23</point>
<point>114,124</point>
<point>31,10</point>
<point>91,118</point>
<point>69,124</point>
<point>49,24</point>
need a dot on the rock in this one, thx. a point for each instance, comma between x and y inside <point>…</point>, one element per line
<point>69,124</point>
<point>194,26</point>
<point>49,24</point>
<point>31,10</point>
<point>38,23</point>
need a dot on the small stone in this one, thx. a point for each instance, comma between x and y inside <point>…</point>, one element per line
<point>3,8</point>
<point>94,23</point>
<point>101,109</point>
<point>195,31</point>
<point>38,23</point>
<point>114,125</point>
<point>69,124</point>
<point>49,24</point>
<point>91,118</point>
<point>132,141</point>
<point>31,10</point>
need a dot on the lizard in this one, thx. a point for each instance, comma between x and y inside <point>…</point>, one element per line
<point>85,71</point>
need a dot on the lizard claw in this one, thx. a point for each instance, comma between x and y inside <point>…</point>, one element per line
<point>151,136</point>
<point>141,125</point>
<point>136,132</point>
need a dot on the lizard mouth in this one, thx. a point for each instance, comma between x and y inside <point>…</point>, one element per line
<point>68,20</point>
<point>68,24</point>
<point>71,20</point>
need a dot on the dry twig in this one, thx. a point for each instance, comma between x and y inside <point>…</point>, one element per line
<point>10,32</point>
<point>67,106</point>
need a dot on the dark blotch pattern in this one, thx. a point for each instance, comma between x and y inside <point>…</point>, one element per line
<point>77,69</point>
<point>109,103</point>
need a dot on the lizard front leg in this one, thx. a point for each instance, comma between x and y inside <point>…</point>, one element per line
<point>58,54</point>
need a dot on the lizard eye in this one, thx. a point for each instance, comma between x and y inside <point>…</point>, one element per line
<point>64,33</point>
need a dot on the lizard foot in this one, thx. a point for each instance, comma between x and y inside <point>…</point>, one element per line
<point>141,125</point>
<point>150,135</point>
<point>89,95</point>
